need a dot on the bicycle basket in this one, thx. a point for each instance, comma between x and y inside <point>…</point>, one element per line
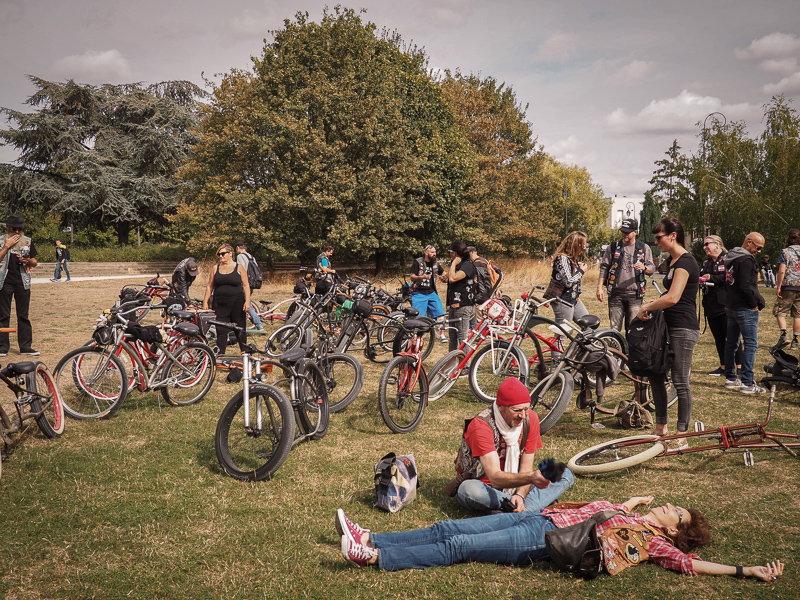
<point>496,310</point>
<point>362,308</point>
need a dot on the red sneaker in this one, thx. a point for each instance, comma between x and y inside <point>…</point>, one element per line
<point>346,527</point>
<point>355,553</point>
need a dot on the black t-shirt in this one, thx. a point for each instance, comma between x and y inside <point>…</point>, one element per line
<point>462,292</point>
<point>13,277</point>
<point>422,267</point>
<point>683,314</point>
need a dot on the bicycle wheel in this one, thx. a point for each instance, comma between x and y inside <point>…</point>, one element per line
<point>672,394</point>
<point>444,374</point>
<point>551,405</point>
<point>626,387</point>
<point>312,400</point>
<point>51,421</point>
<point>491,366</point>
<point>255,452</point>
<point>284,339</point>
<point>93,383</point>
<point>188,378</point>
<point>379,347</point>
<point>401,399</point>
<point>616,455</point>
<point>344,378</point>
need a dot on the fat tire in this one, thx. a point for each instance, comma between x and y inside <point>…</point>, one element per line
<point>555,403</point>
<point>83,399</point>
<point>284,339</point>
<point>391,400</point>
<point>647,448</point>
<point>52,421</point>
<point>255,455</point>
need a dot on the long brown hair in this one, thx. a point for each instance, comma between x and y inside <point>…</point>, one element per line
<point>696,532</point>
<point>572,246</point>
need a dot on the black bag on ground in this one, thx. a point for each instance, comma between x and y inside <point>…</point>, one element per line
<point>576,549</point>
<point>648,346</point>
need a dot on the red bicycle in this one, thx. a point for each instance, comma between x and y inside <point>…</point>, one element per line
<point>627,452</point>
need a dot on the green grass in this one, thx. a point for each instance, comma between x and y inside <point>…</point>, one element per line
<point>137,506</point>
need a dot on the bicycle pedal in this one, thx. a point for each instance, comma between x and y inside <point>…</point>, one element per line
<point>699,426</point>
<point>748,458</point>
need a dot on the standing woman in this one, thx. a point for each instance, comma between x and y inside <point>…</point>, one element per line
<point>679,304</point>
<point>460,293</point>
<point>228,283</point>
<point>713,271</point>
<point>568,272</point>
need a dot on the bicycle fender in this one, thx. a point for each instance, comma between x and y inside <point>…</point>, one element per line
<point>616,334</point>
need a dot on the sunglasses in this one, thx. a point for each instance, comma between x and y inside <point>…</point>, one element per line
<point>758,248</point>
<point>17,229</point>
<point>223,253</point>
<point>659,236</point>
<point>680,516</point>
<point>708,244</point>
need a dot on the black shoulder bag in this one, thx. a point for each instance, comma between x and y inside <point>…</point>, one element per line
<point>576,549</point>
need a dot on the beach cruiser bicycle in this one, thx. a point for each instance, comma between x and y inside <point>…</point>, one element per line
<point>36,399</point>
<point>622,453</point>
<point>262,423</point>
<point>94,380</point>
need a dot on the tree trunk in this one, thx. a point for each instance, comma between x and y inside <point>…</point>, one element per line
<point>123,229</point>
<point>380,261</point>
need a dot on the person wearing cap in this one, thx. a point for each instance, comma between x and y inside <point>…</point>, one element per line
<point>424,297</point>
<point>625,264</point>
<point>17,257</point>
<point>243,257</point>
<point>460,293</point>
<point>496,459</point>
<point>183,277</point>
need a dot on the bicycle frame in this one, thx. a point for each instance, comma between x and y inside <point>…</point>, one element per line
<point>7,428</point>
<point>414,350</point>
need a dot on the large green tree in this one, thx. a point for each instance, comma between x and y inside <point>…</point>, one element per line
<point>103,155</point>
<point>339,136</point>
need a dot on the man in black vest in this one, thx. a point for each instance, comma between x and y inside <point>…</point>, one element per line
<point>622,270</point>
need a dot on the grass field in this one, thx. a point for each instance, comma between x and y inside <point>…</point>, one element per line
<point>137,506</point>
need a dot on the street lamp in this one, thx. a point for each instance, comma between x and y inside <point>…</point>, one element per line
<point>630,207</point>
<point>715,117</point>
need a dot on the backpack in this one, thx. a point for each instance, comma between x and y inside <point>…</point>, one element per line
<point>648,346</point>
<point>396,482</point>
<point>254,276</point>
<point>485,280</point>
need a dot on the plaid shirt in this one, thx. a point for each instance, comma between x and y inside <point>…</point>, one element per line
<point>661,551</point>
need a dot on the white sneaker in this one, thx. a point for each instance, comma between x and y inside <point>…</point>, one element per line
<point>752,389</point>
<point>733,384</point>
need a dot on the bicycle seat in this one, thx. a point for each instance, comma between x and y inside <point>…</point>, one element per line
<point>292,356</point>
<point>21,368</point>
<point>189,329</point>
<point>417,326</point>
<point>183,314</point>
<point>588,322</point>
<point>410,311</point>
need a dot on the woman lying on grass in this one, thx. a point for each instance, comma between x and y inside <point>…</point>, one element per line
<point>671,533</point>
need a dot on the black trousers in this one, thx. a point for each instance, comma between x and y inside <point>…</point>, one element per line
<point>719,329</point>
<point>22,298</point>
<point>230,309</point>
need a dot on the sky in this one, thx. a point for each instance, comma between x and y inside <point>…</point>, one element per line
<point>609,84</point>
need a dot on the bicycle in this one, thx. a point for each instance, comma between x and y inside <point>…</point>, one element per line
<point>403,387</point>
<point>629,451</point>
<point>37,399</point>
<point>260,425</point>
<point>94,381</point>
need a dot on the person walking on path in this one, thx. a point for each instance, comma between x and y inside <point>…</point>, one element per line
<point>62,256</point>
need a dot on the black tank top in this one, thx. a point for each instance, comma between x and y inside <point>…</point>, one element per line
<point>228,284</point>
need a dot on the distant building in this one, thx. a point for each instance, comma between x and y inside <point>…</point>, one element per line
<point>623,207</point>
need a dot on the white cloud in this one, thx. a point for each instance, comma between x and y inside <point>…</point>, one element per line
<point>787,85</point>
<point>774,45</point>
<point>558,48</point>
<point>106,66</point>
<point>782,66</point>
<point>252,24</point>
<point>632,73</point>
<point>674,115</point>
<point>449,13</point>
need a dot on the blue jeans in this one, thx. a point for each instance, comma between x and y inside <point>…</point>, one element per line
<point>744,323</point>
<point>476,495</point>
<point>59,265</point>
<point>429,304</point>
<point>506,538</point>
<point>253,315</point>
